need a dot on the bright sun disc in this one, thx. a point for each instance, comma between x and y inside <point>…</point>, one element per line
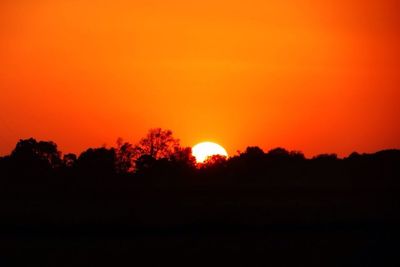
<point>203,150</point>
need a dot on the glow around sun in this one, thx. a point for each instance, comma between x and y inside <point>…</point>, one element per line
<point>203,150</point>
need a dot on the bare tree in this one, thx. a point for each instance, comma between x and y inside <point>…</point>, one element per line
<point>158,144</point>
<point>125,156</point>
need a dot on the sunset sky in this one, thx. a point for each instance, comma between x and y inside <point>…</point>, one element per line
<point>315,76</point>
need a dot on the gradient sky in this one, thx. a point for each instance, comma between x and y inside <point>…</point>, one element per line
<point>316,76</point>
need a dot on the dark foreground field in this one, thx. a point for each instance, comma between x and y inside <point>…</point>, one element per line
<point>254,209</point>
<point>197,227</point>
<point>289,245</point>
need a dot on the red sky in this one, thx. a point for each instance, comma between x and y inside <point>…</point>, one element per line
<point>316,76</point>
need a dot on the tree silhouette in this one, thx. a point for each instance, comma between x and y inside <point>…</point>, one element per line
<point>278,153</point>
<point>326,157</point>
<point>125,157</point>
<point>69,160</point>
<point>158,144</point>
<point>183,156</point>
<point>31,153</point>
<point>214,161</point>
<point>97,161</point>
<point>145,163</point>
<point>253,152</point>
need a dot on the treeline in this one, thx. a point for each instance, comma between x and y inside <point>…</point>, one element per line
<point>158,181</point>
<point>159,156</point>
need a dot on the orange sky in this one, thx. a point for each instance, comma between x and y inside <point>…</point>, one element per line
<point>316,76</point>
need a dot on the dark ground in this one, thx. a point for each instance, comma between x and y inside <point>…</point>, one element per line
<point>197,228</point>
<point>255,209</point>
<point>289,245</point>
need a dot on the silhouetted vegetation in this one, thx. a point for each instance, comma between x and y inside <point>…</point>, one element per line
<point>156,183</point>
<point>37,168</point>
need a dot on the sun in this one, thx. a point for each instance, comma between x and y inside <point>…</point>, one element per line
<point>203,150</point>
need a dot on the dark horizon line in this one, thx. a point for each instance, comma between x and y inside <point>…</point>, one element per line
<point>238,152</point>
